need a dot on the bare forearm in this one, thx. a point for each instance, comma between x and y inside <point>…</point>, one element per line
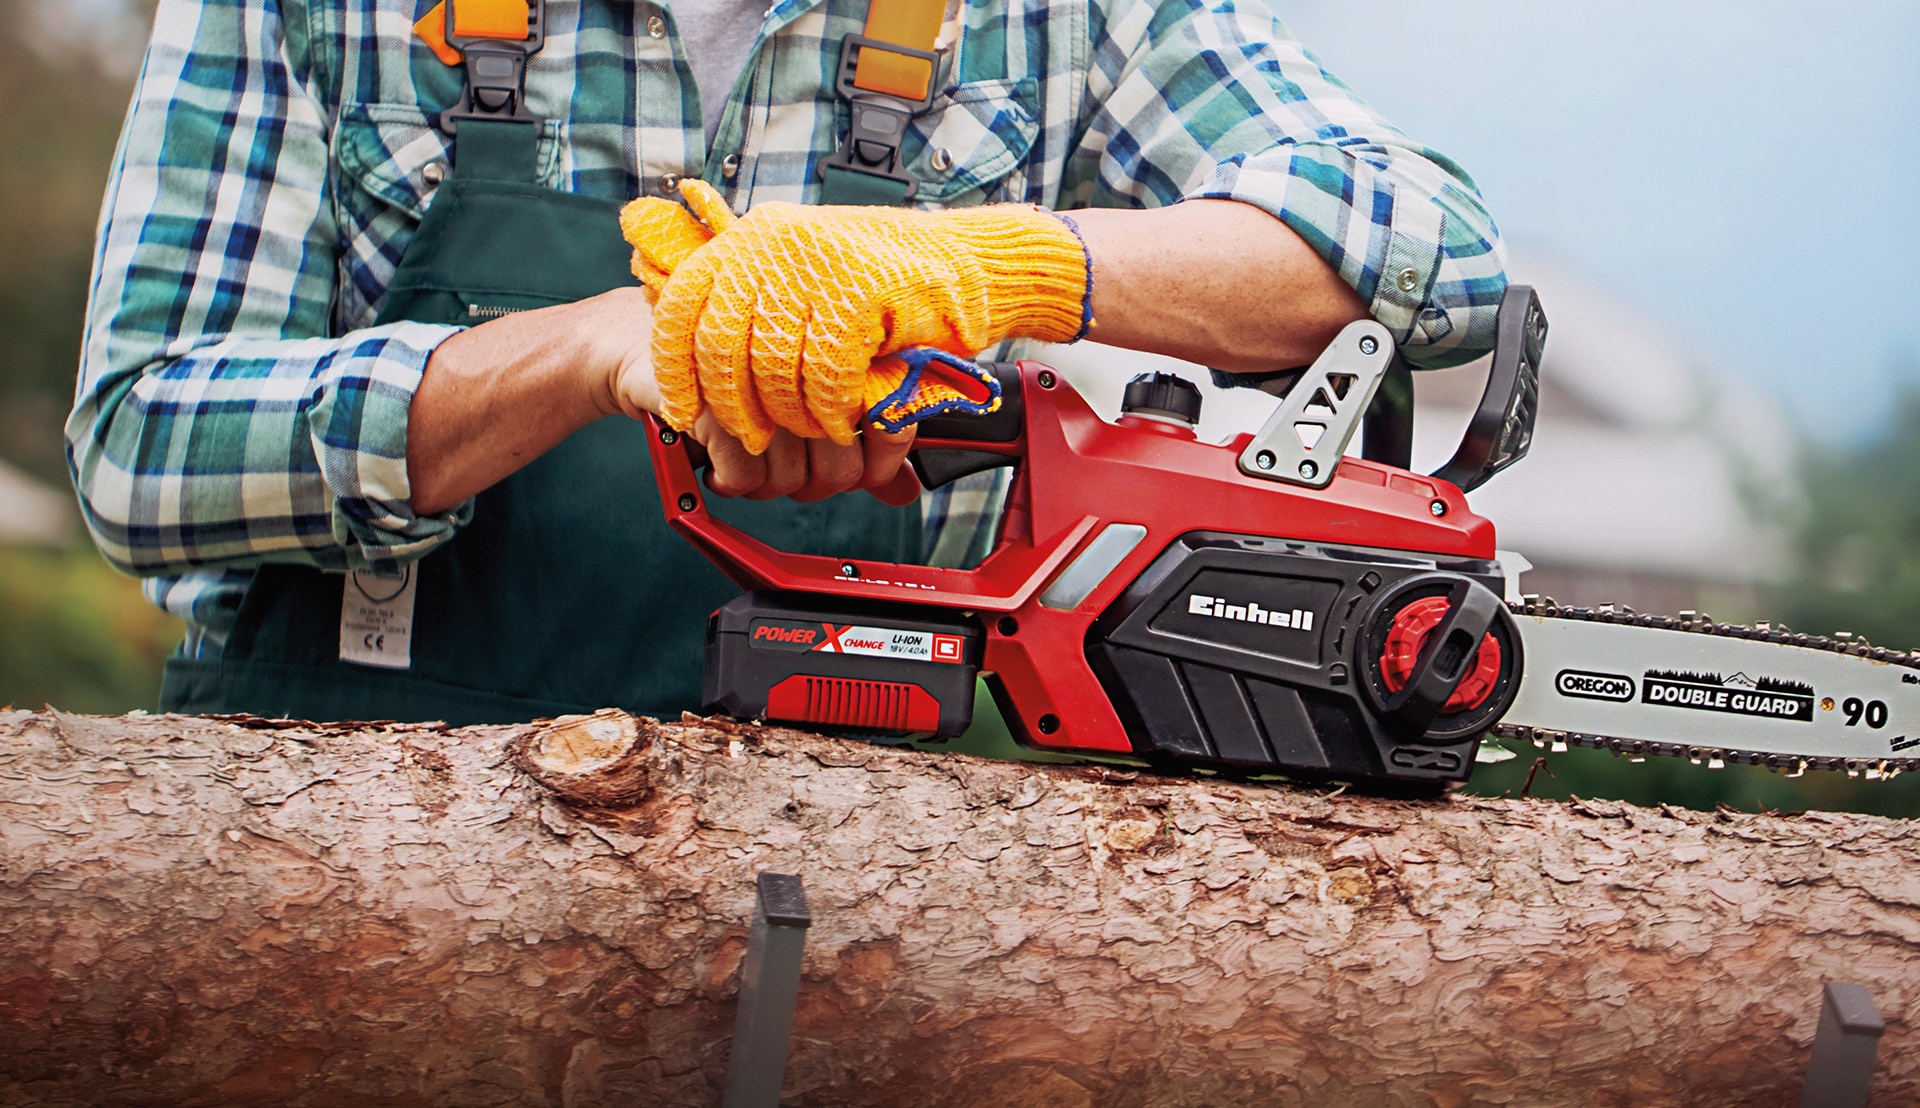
<point>498,396</point>
<point>1212,281</point>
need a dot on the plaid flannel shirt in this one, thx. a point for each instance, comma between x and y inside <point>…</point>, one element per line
<point>236,408</point>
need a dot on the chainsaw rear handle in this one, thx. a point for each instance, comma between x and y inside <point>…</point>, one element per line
<point>947,448</point>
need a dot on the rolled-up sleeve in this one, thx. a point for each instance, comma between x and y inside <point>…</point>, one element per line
<point>219,422</point>
<point>1220,89</point>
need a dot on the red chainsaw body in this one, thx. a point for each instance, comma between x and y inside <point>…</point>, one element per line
<point>1076,474</point>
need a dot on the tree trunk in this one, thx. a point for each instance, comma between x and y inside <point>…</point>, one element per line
<point>198,911</point>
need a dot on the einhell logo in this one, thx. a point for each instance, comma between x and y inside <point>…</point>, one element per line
<point>1594,686</point>
<point>1739,694</point>
<point>1219,608</point>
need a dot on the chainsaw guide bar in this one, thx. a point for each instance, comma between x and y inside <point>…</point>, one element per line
<point>1610,678</point>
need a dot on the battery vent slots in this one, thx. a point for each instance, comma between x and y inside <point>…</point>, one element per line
<point>850,702</point>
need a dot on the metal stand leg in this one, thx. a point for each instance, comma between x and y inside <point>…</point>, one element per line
<point>1843,1050</point>
<point>769,985</point>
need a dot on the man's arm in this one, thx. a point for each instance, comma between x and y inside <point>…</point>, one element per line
<point>497,396</point>
<point>1212,281</point>
<point>1215,100</point>
<point>215,424</point>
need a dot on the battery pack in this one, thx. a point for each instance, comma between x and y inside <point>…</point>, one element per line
<point>793,658</point>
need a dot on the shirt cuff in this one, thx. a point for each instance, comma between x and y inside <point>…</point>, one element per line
<point>358,426</point>
<point>1411,238</point>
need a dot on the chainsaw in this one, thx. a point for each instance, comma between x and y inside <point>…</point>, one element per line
<point>1267,605</point>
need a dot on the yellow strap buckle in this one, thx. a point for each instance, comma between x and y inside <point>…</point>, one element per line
<point>448,26</point>
<point>893,55</point>
<point>886,76</point>
<point>493,39</point>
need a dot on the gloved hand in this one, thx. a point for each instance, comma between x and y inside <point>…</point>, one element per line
<point>784,317</point>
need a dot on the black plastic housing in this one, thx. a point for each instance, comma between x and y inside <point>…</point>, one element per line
<point>1257,654</point>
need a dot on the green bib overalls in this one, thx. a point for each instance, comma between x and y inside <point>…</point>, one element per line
<point>567,592</point>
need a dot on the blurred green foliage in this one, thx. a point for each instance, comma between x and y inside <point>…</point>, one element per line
<point>60,114</point>
<point>73,633</point>
<point>76,634</point>
<point>1858,553</point>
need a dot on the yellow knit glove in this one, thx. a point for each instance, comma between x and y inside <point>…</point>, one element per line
<point>786,316</point>
<point>663,233</point>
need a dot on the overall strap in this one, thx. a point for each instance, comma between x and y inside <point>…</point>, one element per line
<point>496,150</point>
<point>496,134</point>
<point>886,75</point>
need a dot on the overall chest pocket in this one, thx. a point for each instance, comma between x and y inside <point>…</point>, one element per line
<point>966,148</point>
<point>389,160</point>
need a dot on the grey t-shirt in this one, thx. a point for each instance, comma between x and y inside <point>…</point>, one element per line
<point>717,35</point>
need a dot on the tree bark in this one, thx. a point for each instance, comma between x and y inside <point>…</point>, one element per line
<point>208,912</point>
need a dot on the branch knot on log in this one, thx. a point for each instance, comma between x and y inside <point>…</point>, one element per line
<point>596,761</point>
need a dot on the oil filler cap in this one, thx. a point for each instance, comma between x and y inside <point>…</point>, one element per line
<point>1162,395</point>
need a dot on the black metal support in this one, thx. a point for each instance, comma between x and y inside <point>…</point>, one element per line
<point>1843,1049</point>
<point>1386,431</point>
<point>769,986</point>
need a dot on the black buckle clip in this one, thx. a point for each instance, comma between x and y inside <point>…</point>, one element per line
<point>496,85</point>
<point>877,121</point>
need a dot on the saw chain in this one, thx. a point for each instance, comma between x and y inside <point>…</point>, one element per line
<point>1877,738</point>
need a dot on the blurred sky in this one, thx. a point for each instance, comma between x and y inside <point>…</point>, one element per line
<point>1746,172</point>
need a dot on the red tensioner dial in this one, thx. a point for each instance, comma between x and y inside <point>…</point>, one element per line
<point>1411,626</point>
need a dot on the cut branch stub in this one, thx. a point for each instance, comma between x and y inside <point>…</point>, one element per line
<point>596,761</point>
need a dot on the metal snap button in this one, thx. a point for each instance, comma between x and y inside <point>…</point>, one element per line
<point>1409,280</point>
<point>433,173</point>
<point>942,159</point>
<point>656,27</point>
<point>730,166</point>
<point>669,182</point>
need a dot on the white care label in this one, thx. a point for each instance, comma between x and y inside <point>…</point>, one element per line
<point>376,619</point>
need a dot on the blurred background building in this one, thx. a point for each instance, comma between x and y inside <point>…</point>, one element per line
<point>33,512</point>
